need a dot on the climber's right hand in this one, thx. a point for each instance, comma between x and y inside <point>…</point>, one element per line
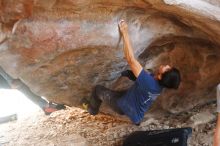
<point>123,27</point>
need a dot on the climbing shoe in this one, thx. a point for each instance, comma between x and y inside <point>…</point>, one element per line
<point>94,105</point>
<point>84,104</point>
<point>89,106</point>
<point>52,107</point>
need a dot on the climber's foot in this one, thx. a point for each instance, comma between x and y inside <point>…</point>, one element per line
<point>84,104</point>
<point>90,106</point>
<point>52,107</point>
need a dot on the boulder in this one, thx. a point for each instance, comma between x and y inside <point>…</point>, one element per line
<point>62,49</point>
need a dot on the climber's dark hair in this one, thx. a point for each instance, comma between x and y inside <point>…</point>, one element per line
<point>171,79</point>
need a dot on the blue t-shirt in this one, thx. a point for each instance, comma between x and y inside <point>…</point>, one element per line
<point>140,97</point>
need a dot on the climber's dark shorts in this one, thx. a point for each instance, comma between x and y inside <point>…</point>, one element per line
<point>109,97</point>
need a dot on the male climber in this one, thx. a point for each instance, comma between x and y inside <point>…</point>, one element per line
<point>136,100</point>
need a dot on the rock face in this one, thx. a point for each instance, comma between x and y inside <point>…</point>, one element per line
<point>61,49</point>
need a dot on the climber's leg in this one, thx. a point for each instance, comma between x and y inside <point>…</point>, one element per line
<point>101,94</point>
<point>8,82</point>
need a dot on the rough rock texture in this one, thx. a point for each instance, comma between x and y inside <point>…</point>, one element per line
<point>76,127</point>
<point>61,49</point>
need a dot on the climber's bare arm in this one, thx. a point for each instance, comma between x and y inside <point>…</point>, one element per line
<point>128,50</point>
<point>217,133</point>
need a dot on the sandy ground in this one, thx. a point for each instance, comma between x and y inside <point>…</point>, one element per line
<point>75,127</point>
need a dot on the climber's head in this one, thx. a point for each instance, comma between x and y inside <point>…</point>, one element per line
<point>168,77</point>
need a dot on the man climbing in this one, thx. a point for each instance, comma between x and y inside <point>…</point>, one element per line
<point>7,82</point>
<point>217,130</point>
<point>136,100</point>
